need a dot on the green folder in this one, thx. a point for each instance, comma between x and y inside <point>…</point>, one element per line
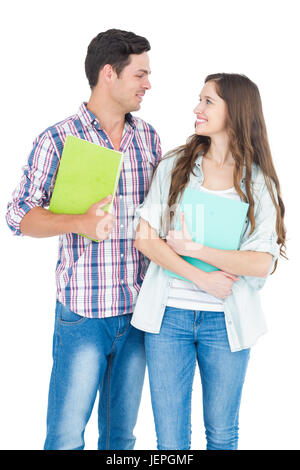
<point>87,173</point>
<point>213,221</point>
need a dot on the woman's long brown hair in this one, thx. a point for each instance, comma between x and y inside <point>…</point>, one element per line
<point>248,143</point>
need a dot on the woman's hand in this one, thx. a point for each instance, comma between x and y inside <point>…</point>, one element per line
<point>218,283</point>
<point>181,240</point>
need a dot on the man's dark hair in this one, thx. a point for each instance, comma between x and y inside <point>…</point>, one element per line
<point>113,47</point>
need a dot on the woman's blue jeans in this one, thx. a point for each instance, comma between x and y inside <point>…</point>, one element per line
<point>187,336</point>
<point>91,355</point>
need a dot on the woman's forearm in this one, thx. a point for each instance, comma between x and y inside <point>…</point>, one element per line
<point>241,263</point>
<point>148,242</point>
<point>216,283</point>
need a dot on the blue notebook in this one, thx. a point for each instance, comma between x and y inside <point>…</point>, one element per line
<point>213,221</point>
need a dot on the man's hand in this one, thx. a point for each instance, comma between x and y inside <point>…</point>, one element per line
<point>96,223</point>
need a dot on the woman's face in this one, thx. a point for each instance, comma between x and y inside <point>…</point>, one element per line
<point>211,112</point>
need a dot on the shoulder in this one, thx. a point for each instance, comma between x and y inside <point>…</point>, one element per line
<point>143,126</point>
<point>262,187</point>
<point>257,175</point>
<point>55,135</point>
<point>63,126</point>
<point>260,180</point>
<point>166,165</point>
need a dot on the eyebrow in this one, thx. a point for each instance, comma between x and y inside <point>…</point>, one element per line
<point>209,97</point>
<point>144,71</point>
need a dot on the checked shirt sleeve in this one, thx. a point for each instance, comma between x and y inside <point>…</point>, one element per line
<point>36,184</point>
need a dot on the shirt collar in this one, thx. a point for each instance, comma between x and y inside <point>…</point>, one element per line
<point>89,119</point>
<point>199,159</point>
<point>198,163</point>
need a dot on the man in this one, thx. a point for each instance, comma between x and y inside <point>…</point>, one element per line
<point>95,347</point>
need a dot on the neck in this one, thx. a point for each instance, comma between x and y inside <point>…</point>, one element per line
<point>219,151</point>
<point>109,114</point>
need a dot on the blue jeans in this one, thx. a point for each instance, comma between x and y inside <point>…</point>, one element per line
<point>91,355</point>
<point>187,336</point>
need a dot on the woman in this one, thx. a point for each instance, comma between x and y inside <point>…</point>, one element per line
<point>213,318</point>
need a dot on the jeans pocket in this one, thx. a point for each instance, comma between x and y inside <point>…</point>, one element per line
<point>66,316</point>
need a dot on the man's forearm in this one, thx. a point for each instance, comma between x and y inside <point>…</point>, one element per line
<point>40,222</point>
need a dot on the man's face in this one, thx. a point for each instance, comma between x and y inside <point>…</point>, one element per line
<point>128,89</point>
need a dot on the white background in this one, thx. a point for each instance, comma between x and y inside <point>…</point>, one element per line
<point>43,47</point>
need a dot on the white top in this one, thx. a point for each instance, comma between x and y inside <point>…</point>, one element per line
<point>187,295</point>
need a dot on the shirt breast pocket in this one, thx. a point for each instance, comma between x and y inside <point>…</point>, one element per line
<point>147,157</point>
<point>145,166</point>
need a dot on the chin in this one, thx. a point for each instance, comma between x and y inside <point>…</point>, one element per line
<point>199,130</point>
<point>132,108</point>
<point>202,132</point>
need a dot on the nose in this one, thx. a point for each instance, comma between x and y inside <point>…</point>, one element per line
<point>147,84</point>
<point>199,108</point>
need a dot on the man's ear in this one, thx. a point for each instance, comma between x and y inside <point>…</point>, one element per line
<point>107,73</point>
